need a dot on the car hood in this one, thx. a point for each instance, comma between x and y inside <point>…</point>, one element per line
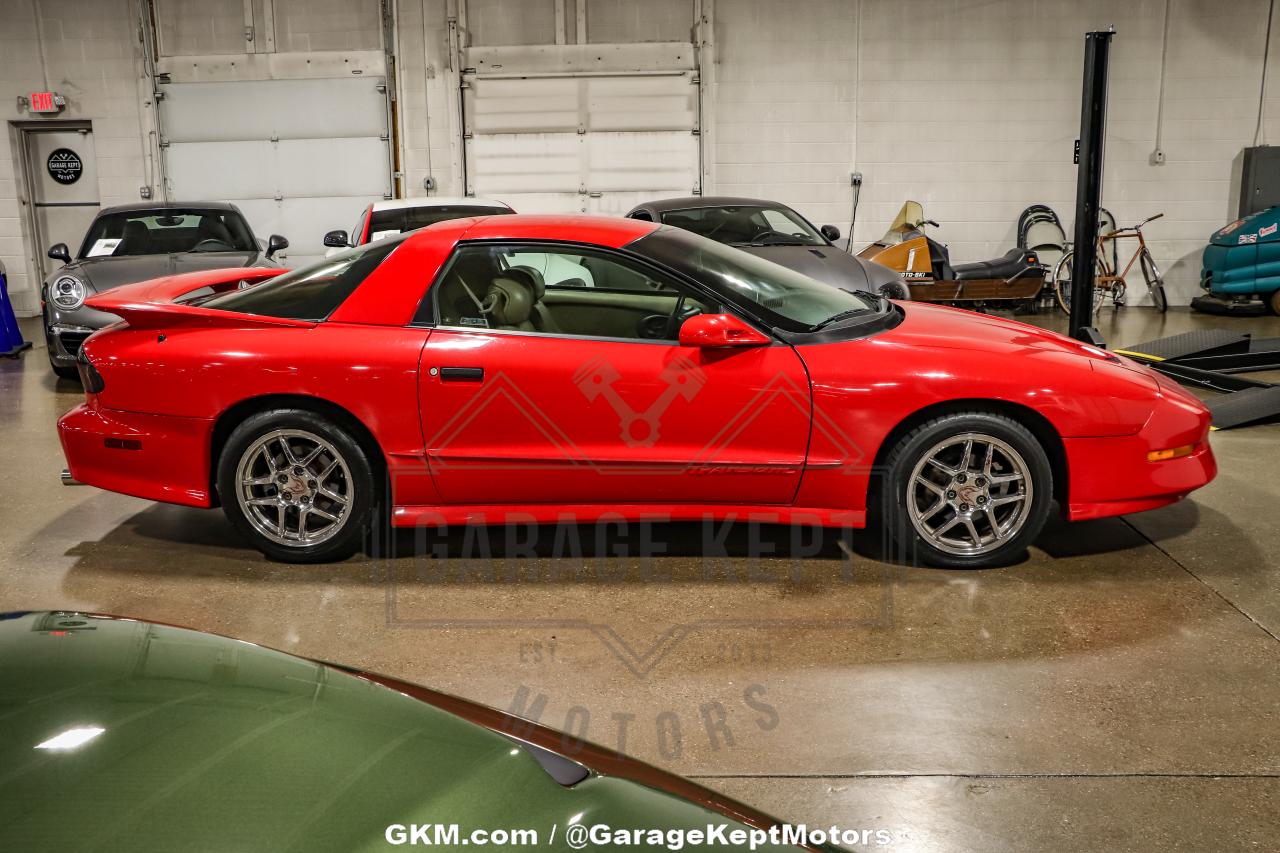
<point>941,327</point>
<point>824,263</point>
<point>106,273</point>
<point>226,745</point>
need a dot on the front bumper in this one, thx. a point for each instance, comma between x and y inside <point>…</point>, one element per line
<point>65,331</point>
<point>156,457</point>
<point>1111,476</point>
<point>64,342</point>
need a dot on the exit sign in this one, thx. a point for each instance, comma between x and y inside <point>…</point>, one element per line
<point>45,102</point>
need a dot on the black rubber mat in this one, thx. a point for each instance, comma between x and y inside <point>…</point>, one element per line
<point>1199,343</point>
<point>1245,407</point>
<point>1227,308</point>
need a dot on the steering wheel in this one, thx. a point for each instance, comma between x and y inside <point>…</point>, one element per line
<point>215,241</point>
<point>654,327</point>
<point>770,234</point>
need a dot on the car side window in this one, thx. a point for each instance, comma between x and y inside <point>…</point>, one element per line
<point>560,290</point>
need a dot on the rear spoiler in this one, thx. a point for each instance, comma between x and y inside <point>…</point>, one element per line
<point>155,304</point>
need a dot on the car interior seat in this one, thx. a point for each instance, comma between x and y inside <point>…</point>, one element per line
<point>136,239</point>
<point>212,228</point>
<point>510,300</point>
<point>541,314</point>
<point>940,260</point>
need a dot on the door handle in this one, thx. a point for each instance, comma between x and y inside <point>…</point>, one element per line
<point>462,374</point>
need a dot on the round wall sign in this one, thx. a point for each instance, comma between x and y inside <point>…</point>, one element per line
<point>64,166</point>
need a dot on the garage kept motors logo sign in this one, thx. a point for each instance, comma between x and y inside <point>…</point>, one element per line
<point>64,166</point>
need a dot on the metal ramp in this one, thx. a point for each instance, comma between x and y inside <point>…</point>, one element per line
<point>1190,344</point>
<point>1208,359</point>
<point>1242,408</point>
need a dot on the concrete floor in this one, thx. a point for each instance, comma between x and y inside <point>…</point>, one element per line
<point>1118,690</point>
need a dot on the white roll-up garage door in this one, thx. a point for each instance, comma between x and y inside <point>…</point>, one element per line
<point>596,141</point>
<point>299,157</point>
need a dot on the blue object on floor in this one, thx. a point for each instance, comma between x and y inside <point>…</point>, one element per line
<point>11,342</point>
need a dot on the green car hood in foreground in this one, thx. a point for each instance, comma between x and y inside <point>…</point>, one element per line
<point>212,744</point>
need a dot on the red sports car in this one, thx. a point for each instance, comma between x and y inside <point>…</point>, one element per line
<point>553,368</point>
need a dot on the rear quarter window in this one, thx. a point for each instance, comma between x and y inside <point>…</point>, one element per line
<point>312,292</point>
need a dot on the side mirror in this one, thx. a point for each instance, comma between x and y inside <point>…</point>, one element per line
<point>831,232</point>
<point>276,243</point>
<point>719,330</point>
<point>337,240</point>
<point>60,252</point>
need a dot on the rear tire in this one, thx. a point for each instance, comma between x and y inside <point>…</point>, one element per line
<point>965,490</point>
<point>298,486</point>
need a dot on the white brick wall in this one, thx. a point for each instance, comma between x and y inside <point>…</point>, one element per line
<point>89,51</point>
<point>971,107</point>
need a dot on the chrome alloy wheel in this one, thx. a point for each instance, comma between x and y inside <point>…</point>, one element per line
<point>969,494</point>
<point>294,487</point>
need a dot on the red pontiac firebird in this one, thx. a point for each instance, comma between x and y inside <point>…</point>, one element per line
<point>551,368</point>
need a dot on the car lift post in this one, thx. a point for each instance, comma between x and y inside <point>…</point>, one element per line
<point>1093,122</point>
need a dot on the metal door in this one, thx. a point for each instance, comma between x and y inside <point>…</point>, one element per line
<point>62,175</point>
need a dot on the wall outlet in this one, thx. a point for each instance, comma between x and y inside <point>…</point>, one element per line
<point>1157,157</point>
<point>855,179</point>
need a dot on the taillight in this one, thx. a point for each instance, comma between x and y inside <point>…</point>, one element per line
<point>90,378</point>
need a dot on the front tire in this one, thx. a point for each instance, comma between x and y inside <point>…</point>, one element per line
<point>1155,282</point>
<point>966,490</point>
<point>298,486</point>
<point>1062,284</point>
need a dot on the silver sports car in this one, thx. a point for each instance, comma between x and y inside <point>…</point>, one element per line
<point>777,233</point>
<point>135,242</point>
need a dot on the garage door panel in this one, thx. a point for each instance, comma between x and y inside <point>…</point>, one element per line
<point>642,161</point>
<point>291,167</point>
<point>322,167</point>
<point>215,170</point>
<point>526,163</point>
<point>303,221</point>
<point>656,102</point>
<point>524,105</point>
<point>284,109</point>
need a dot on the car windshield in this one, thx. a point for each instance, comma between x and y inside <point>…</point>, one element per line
<point>388,223</point>
<point>746,225</point>
<point>782,297</point>
<point>167,231</point>
<point>308,293</point>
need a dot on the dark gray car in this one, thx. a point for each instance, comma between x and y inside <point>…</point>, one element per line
<point>777,233</point>
<point>136,242</point>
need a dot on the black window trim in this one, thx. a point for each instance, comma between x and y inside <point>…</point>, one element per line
<point>861,328</point>
<point>428,300</point>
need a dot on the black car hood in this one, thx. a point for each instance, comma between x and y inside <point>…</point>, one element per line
<point>107,273</point>
<point>824,263</point>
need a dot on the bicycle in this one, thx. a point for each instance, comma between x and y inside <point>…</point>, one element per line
<point>1108,282</point>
